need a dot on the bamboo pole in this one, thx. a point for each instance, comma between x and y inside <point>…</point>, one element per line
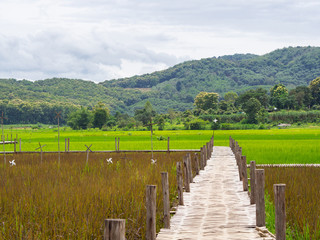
<point>280,211</point>
<point>260,204</point>
<point>186,174</point>
<point>114,229</point>
<point>180,183</point>
<point>252,182</point>
<point>166,200</point>
<point>151,193</point>
<point>244,173</point>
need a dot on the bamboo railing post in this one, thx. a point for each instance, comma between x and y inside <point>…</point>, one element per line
<point>180,183</point>
<point>186,174</point>
<point>65,144</point>
<point>190,167</point>
<point>197,163</point>
<point>252,182</point>
<point>205,155</point>
<point>244,173</point>
<point>115,144</point>
<point>118,144</point>
<point>239,154</point>
<point>20,144</point>
<point>168,147</point>
<point>280,211</point>
<point>260,204</point>
<point>151,194</point>
<point>201,159</point>
<point>166,200</point>
<point>114,229</point>
<point>15,146</point>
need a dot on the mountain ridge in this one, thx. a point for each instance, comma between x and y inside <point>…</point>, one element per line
<point>177,86</point>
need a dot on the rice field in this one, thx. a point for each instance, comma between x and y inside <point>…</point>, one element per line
<point>70,200</point>
<point>302,199</point>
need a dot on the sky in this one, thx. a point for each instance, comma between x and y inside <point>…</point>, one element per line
<point>99,40</point>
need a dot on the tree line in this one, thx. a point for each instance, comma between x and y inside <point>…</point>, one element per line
<point>250,107</point>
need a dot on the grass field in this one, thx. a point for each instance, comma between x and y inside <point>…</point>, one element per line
<point>273,146</point>
<point>302,199</point>
<point>263,146</point>
<point>105,140</point>
<point>70,200</point>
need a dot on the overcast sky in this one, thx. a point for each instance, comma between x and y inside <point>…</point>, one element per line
<point>104,39</point>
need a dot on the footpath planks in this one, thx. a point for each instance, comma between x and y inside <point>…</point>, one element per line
<point>216,206</point>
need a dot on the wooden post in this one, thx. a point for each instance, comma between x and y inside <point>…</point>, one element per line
<point>244,173</point>
<point>114,229</point>
<point>260,204</point>
<point>115,144</point>
<point>151,194</point>
<point>252,182</point>
<point>41,155</point>
<point>239,154</point>
<point>186,174</point>
<point>205,155</point>
<point>15,145</point>
<point>197,163</point>
<point>180,183</point>
<point>118,144</point>
<point>190,167</point>
<point>20,144</point>
<point>65,144</point>
<point>166,199</point>
<point>168,144</point>
<point>280,211</point>
<point>201,159</point>
<point>88,149</point>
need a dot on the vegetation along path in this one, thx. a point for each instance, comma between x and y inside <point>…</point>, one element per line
<point>216,206</point>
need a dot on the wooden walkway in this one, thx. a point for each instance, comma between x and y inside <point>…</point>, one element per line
<point>216,206</point>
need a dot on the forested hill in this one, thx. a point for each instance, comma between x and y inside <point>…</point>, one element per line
<point>177,86</point>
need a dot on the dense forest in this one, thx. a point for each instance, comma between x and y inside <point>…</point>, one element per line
<point>174,88</point>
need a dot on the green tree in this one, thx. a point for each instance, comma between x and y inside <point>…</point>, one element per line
<point>231,97</point>
<point>206,100</point>
<point>279,96</point>
<point>161,122</point>
<point>315,90</point>
<point>301,97</point>
<point>251,108</point>
<point>100,115</point>
<point>146,114</point>
<point>259,94</point>
<point>79,119</point>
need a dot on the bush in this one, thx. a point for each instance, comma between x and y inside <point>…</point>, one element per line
<point>197,124</point>
<point>226,126</point>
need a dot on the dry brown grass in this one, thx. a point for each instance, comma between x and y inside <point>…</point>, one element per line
<point>302,198</point>
<point>70,201</point>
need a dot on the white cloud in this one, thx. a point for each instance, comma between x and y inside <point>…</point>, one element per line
<point>99,39</point>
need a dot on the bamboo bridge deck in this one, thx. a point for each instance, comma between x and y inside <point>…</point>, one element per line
<point>216,206</point>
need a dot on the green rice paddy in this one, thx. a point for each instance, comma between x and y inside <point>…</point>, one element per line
<point>274,146</point>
